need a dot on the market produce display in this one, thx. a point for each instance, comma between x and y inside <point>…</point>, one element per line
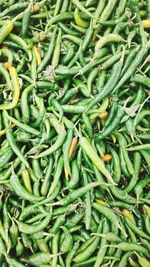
<point>74,133</point>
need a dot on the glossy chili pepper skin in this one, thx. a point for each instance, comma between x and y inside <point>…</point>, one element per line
<point>16,90</point>
<point>74,133</point>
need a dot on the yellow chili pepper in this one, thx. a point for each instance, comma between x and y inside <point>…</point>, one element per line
<point>2,132</point>
<point>7,65</point>
<point>146,23</point>
<point>66,173</point>
<point>101,201</point>
<point>36,7</point>
<point>37,54</point>
<point>16,90</point>
<point>26,180</point>
<point>79,21</point>
<point>142,261</point>
<point>5,30</point>
<point>128,214</point>
<point>107,31</point>
<point>113,138</point>
<point>103,115</point>
<point>102,122</point>
<point>106,157</point>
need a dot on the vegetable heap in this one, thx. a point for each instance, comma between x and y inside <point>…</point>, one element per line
<point>74,133</point>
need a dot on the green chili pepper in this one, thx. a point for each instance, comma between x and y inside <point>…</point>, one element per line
<point>21,191</point>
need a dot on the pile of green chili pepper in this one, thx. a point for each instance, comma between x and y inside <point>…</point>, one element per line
<point>74,133</point>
